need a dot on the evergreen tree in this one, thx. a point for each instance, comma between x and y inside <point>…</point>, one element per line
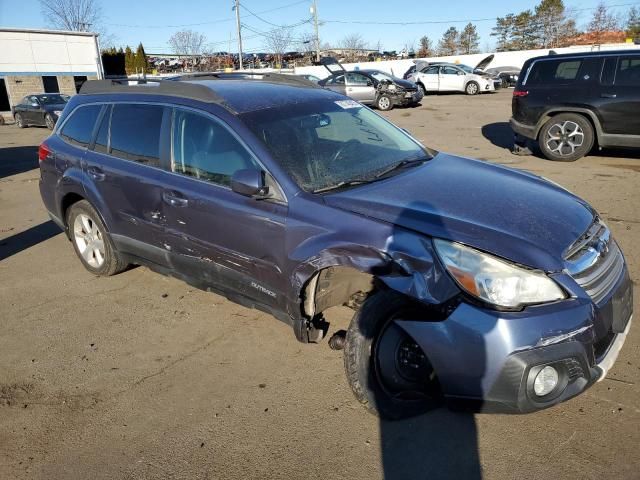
<point>141,64</point>
<point>549,19</point>
<point>448,44</point>
<point>503,30</point>
<point>129,61</point>
<point>524,35</point>
<point>469,40</point>
<point>633,23</point>
<point>426,50</point>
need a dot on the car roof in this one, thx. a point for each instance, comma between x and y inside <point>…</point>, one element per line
<point>238,94</point>
<point>600,53</point>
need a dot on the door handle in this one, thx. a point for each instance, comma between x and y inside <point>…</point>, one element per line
<point>175,199</point>
<point>96,173</point>
<point>608,95</point>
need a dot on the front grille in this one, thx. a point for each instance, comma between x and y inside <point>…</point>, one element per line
<point>595,262</point>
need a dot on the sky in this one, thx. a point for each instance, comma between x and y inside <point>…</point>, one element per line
<point>152,22</point>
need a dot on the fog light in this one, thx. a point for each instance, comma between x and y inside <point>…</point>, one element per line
<point>545,381</point>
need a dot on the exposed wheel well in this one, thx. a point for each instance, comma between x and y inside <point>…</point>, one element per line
<point>68,200</point>
<point>334,286</point>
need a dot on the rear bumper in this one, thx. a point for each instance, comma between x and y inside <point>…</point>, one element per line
<point>527,131</point>
<point>491,358</point>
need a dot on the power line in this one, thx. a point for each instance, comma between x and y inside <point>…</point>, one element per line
<point>222,20</point>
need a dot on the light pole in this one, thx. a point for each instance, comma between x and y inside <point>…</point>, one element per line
<point>314,11</point>
<point>237,7</point>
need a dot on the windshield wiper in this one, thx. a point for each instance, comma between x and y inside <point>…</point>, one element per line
<point>344,184</point>
<point>409,162</point>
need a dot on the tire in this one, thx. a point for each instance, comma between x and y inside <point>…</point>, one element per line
<point>19,121</point>
<point>49,122</point>
<point>373,343</point>
<point>472,88</point>
<point>82,219</point>
<point>384,103</point>
<point>422,89</point>
<point>566,137</point>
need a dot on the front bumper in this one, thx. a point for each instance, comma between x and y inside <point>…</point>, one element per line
<point>402,99</point>
<point>490,358</point>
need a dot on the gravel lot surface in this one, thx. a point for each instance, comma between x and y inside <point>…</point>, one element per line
<point>141,376</point>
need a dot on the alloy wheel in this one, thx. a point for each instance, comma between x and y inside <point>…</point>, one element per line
<point>564,138</point>
<point>384,103</point>
<point>89,240</point>
<point>49,122</point>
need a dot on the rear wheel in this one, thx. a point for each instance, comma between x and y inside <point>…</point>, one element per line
<point>49,122</point>
<point>387,370</point>
<point>91,241</point>
<point>566,137</point>
<point>20,121</point>
<point>384,103</point>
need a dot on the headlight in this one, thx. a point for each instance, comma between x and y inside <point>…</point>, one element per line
<point>392,87</point>
<point>58,112</point>
<point>493,280</point>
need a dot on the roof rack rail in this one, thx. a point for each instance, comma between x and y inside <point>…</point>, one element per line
<point>273,77</point>
<point>152,87</point>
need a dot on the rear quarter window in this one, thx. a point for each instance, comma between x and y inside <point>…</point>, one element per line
<point>78,129</point>
<point>554,72</point>
<point>628,72</point>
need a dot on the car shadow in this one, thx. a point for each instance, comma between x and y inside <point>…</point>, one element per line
<point>500,134</point>
<point>14,160</point>
<point>22,241</point>
<point>441,443</point>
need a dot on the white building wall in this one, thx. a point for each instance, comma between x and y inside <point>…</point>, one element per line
<point>37,52</point>
<point>501,59</point>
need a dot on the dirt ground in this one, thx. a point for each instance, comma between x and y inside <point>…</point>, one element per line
<point>141,376</point>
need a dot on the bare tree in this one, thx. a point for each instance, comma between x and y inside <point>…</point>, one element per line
<point>277,41</point>
<point>601,22</point>
<point>188,43</point>
<point>353,46</point>
<point>307,45</point>
<point>74,15</point>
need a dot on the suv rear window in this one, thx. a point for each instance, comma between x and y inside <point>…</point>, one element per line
<point>554,72</point>
<point>628,74</point>
<point>78,129</point>
<point>135,132</point>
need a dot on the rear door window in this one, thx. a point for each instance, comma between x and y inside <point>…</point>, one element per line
<point>628,72</point>
<point>203,148</point>
<point>135,132</point>
<point>78,129</point>
<point>554,72</point>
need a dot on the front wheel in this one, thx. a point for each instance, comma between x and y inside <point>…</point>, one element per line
<point>566,137</point>
<point>386,369</point>
<point>422,89</point>
<point>384,103</point>
<point>472,88</point>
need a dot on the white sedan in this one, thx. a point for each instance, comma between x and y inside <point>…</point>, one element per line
<point>452,78</point>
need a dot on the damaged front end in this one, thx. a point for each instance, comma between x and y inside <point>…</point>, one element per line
<point>399,95</point>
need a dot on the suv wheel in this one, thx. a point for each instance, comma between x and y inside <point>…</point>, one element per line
<point>92,242</point>
<point>384,103</point>
<point>19,121</point>
<point>472,88</point>
<point>387,371</point>
<point>566,137</point>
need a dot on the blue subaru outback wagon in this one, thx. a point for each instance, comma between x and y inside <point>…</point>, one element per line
<point>289,198</point>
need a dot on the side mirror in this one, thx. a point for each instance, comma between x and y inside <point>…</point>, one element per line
<point>369,83</point>
<point>249,182</point>
<point>460,73</point>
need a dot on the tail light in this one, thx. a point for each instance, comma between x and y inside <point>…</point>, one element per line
<point>43,152</point>
<point>520,93</point>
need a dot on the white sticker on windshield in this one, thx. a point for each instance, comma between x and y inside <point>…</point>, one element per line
<point>347,104</point>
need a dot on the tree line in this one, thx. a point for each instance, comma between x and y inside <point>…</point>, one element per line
<point>125,61</point>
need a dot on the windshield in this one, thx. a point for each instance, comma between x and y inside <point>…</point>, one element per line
<point>52,99</point>
<point>380,76</point>
<point>325,143</point>
<point>466,68</point>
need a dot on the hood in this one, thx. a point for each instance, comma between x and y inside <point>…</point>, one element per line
<point>512,214</point>
<point>484,63</point>
<point>406,84</point>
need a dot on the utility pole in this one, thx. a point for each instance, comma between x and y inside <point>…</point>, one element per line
<point>237,7</point>
<point>314,11</point>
